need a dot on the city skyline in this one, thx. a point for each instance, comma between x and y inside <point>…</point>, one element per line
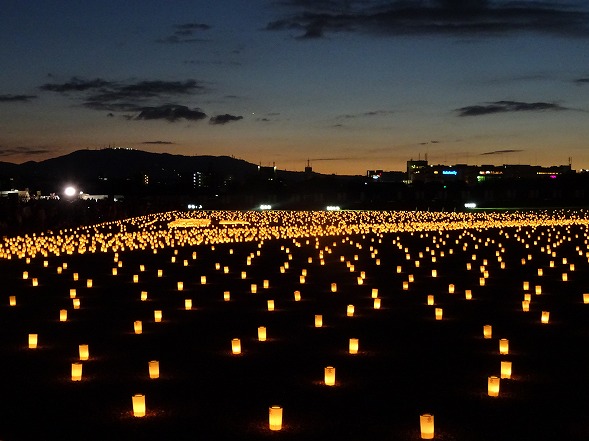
<point>349,85</point>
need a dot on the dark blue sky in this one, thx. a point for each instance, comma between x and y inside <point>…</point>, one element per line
<point>352,85</point>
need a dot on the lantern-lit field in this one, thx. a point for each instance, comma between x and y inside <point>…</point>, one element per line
<point>299,325</point>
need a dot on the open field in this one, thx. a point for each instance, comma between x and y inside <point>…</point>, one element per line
<point>408,362</point>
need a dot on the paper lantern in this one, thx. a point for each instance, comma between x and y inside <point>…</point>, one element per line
<point>203,280</point>
<point>405,285</point>
<point>185,262</point>
<point>75,276</point>
<point>160,273</point>
<point>468,266</point>
<point>135,278</point>
<point>430,300</point>
<point>12,300</point>
<point>481,281</point>
<point>439,313</point>
<point>138,327</point>
<point>329,376</point>
<point>33,341</point>
<point>254,288</point>
<point>374,293</point>
<point>468,294</point>
<point>493,386</point>
<point>261,333</point>
<point>275,418</point>
<point>84,352</point>
<point>376,303</point>
<point>76,371</point>
<point>540,272</point>
<point>188,304</point>
<point>487,331</point>
<point>426,426</point>
<point>411,278</point>
<point>318,320</point>
<point>565,277</point>
<point>333,287</point>
<point>266,284</point>
<point>138,405</point>
<point>545,317</point>
<point>73,293</point>
<point>434,273</point>
<point>157,315</point>
<point>236,346</point>
<point>528,297</point>
<point>302,280</point>
<point>180,286</point>
<point>89,283</point>
<point>525,305</point>
<point>451,288</point>
<point>217,266</point>
<point>243,274</point>
<point>506,369</point>
<point>25,275</point>
<point>399,269</point>
<point>35,281</point>
<point>270,305</point>
<point>586,298</point>
<point>114,271</point>
<point>143,296</point>
<point>504,346</point>
<point>538,290</point>
<point>76,303</point>
<point>297,296</point>
<point>526,286</point>
<point>350,311</point>
<point>353,346</point>
<point>154,369</point>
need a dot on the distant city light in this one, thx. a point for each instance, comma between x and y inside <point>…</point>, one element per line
<point>449,172</point>
<point>69,191</point>
<point>194,207</point>
<point>333,208</point>
<point>265,207</point>
<point>470,205</point>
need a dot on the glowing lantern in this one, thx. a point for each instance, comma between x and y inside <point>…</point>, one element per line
<point>138,327</point>
<point>318,320</point>
<point>89,283</point>
<point>526,286</point>
<point>143,296</point>
<point>114,271</point>
<point>217,266</point>
<point>565,277</point>
<point>180,286</point>
<point>487,331</point>
<point>188,304</point>
<point>84,352</point>
<point>25,275</point>
<point>236,346</point>
<point>254,288</point>
<point>138,405</point>
<point>405,286</point>
<point>59,270</point>
<point>243,274</point>
<point>203,280</point>
<point>525,305</point>
<point>35,282</point>
<point>504,346</point>
<point>135,278</point>
<point>411,278</point>
<point>506,369</point>
<point>468,266</point>
<point>154,369</point>
<point>12,300</point>
<point>73,293</point>
<point>374,293</point>
<point>329,376</point>
<point>160,273</point>
<point>572,267</point>
<point>226,296</point>
<point>333,287</point>
<point>185,263</point>
<point>32,341</point>
<point>399,269</point>
<point>266,284</point>
<point>76,303</point>
<point>376,303</point>
<point>76,371</point>
<point>538,290</point>
<point>493,386</point>
<point>262,333</point>
<point>468,294</point>
<point>434,273</point>
<point>270,305</point>
<point>439,313</point>
<point>275,418</point>
<point>586,298</point>
<point>157,315</point>
<point>451,288</point>
<point>540,272</point>
<point>353,346</point>
<point>481,281</point>
<point>545,317</point>
<point>350,311</point>
<point>528,297</point>
<point>426,425</point>
<point>302,280</point>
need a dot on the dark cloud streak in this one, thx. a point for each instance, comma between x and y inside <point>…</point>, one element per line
<point>507,106</point>
<point>224,119</point>
<point>17,98</point>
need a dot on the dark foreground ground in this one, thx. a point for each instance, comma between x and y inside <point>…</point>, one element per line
<point>408,363</point>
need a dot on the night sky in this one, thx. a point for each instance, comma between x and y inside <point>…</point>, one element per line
<point>351,85</point>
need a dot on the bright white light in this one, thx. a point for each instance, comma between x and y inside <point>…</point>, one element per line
<point>265,207</point>
<point>470,205</point>
<point>333,208</point>
<point>69,191</point>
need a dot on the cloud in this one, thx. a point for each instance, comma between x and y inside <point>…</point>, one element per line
<point>158,142</point>
<point>507,106</point>
<point>223,119</point>
<point>171,113</point>
<point>314,19</point>
<point>77,85</point>
<point>17,98</point>
<point>366,114</point>
<point>500,152</point>
<point>582,81</point>
<point>30,151</point>
<point>184,33</point>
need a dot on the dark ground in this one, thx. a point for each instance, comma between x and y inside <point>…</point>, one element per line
<point>408,363</point>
